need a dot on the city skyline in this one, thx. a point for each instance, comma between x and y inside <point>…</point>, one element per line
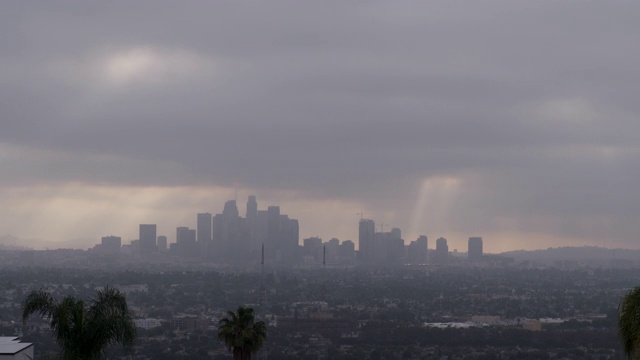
<point>515,121</point>
<point>228,235</point>
<point>459,242</point>
<point>228,238</point>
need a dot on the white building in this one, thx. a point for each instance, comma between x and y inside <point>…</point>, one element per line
<point>147,323</point>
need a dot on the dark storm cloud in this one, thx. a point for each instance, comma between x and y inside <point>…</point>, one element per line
<point>531,104</point>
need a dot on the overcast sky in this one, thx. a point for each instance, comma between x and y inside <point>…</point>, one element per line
<point>512,120</point>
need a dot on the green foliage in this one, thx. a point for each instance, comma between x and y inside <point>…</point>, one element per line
<point>629,323</point>
<point>84,332</point>
<point>241,334</point>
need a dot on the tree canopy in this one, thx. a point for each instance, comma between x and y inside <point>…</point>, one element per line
<point>242,335</point>
<point>629,323</point>
<point>84,330</point>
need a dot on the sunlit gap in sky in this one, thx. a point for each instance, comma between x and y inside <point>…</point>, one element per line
<point>433,204</point>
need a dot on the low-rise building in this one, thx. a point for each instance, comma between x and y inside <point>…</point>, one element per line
<point>12,349</point>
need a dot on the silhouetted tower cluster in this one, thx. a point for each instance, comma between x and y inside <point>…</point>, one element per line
<point>381,248</point>
<point>237,240</point>
<point>332,252</point>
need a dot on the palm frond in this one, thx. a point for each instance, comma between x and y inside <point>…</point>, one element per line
<point>629,323</point>
<point>68,324</point>
<point>85,332</point>
<point>38,302</point>
<point>110,320</point>
<point>240,333</point>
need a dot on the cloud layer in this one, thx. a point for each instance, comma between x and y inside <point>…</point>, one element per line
<point>512,120</point>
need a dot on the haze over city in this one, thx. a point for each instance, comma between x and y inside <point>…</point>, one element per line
<point>514,121</point>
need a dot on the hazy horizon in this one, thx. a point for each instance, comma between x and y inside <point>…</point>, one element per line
<point>514,121</point>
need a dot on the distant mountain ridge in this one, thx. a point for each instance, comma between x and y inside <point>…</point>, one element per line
<point>567,253</point>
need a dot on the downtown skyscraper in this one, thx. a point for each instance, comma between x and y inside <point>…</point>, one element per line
<point>239,239</point>
<point>147,239</point>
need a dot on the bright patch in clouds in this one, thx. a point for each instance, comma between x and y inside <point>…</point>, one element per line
<point>575,109</point>
<point>151,66</point>
<point>434,203</point>
<point>77,210</point>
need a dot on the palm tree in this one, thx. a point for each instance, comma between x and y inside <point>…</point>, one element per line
<point>84,331</point>
<point>242,335</point>
<point>629,323</point>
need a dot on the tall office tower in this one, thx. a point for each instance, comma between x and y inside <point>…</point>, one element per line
<point>192,237</point>
<point>162,243</point>
<point>220,235</point>
<point>396,233</point>
<point>252,208</point>
<point>254,240</point>
<point>423,240</point>
<point>347,251</point>
<point>204,232</point>
<point>333,251</point>
<point>230,209</point>
<point>395,247</point>
<point>111,244</point>
<point>186,241</point>
<point>262,225</point>
<point>280,236</point>
<point>290,235</point>
<point>273,245</point>
<point>422,249</point>
<point>227,232</point>
<point>185,235</point>
<point>417,251</point>
<point>312,250</point>
<point>381,242</point>
<point>366,232</point>
<point>147,239</point>
<point>475,249</point>
<point>442,251</point>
